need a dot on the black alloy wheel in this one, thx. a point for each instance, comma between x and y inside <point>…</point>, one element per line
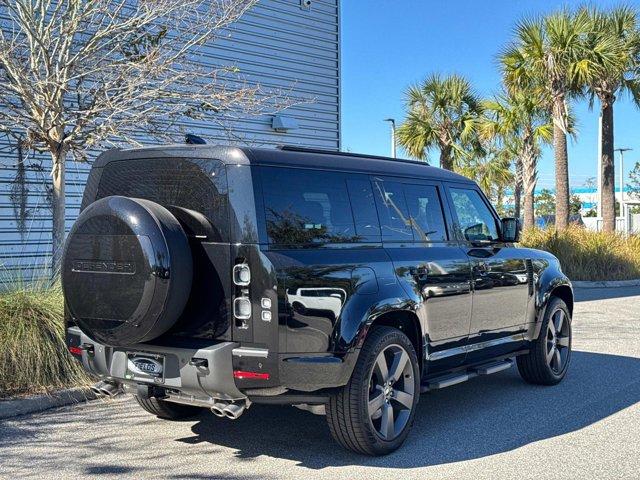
<point>550,354</point>
<point>374,412</point>
<point>391,392</point>
<point>558,341</point>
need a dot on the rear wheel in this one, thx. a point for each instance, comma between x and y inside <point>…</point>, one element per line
<point>549,357</point>
<point>374,412</point>
<point>167,410</point>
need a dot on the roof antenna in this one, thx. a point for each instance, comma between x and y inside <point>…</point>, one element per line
<point>191,139</point>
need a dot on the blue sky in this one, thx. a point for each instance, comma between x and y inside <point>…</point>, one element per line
<point>390,44</point>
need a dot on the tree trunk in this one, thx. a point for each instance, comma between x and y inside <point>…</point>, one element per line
<point>608,181</point>
<point>446,161</point>
<point>529,178</point>
<point>57,209</point>
<point>517,191</point>
<point>500,200</point>
<point>561,164</point>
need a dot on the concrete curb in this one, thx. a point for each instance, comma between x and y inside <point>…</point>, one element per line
<point>39,403</point>
<point>607,284</point>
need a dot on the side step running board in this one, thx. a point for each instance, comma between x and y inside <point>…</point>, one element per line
<point>489,368</point>
<point>447,380</point>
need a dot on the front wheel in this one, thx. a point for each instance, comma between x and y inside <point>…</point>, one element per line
<point>549,356</point>
<point>374,412</point>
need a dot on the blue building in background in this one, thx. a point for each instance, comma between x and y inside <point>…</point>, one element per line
<point>291,45</point>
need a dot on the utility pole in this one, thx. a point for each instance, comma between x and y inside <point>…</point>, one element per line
<point>393,135</point>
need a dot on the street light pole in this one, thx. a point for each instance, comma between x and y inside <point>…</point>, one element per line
<point>599,170</point>
<point>622,150</point>
<point>393,135</point>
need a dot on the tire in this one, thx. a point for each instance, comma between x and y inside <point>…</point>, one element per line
<point>167,410</point>
<point>348,415</point>
<point>550,354</point>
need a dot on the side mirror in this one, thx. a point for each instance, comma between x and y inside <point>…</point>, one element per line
<point>510,229</point>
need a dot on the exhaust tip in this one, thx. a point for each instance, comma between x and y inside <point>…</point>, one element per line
<point>217,412</point>
<point>109,389</point>
<point>218,409</point>
<point>233,411</point>
<point>97,388</point>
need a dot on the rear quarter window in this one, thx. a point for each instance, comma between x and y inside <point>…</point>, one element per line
<point>304,206</point>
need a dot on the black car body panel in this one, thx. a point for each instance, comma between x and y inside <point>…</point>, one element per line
<point>393,246</point>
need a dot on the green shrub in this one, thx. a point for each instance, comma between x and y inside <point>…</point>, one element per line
<point>33,353</point>
<point>589,255</point>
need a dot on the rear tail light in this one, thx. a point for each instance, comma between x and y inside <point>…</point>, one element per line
<point>244,375</point>
<point>242,304</point>
<point>241,275</point>
<point>75,351</point>
<point>242,308</point>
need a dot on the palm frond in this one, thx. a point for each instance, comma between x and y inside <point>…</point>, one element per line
<point>442,112</point>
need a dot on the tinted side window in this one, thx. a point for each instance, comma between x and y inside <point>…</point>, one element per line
<point>425,212</point>
<point>392,207</point>
<point>474,217</point>
<point>364,209</point>
<point>306,206</point>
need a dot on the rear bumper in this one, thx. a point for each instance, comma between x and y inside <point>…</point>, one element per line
<point>215,380</point>
<point>293,372</point>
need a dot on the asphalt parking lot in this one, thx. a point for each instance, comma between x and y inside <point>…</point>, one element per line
<point>493,427</point>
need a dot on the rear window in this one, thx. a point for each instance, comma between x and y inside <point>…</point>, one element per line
<point>310,206</point>
<point>195,184</point>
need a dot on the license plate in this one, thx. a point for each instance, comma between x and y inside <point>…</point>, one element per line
<point>145,367</point>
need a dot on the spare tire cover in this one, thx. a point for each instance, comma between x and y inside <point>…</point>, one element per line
<point>126,271</point>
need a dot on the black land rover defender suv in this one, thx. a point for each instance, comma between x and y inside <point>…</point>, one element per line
<point>217,277</point>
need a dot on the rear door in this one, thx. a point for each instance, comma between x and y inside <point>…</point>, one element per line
<point>500,288</point>
<point>432,268</point>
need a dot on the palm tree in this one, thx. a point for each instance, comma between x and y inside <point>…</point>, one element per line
<point>610,68</point>
<point>519,120</point>
<point>442,112</point>
<point>491,171</point>
<point>545,54</point>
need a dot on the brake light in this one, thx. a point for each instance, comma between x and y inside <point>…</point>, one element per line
<point>75,351</point>
<point>244,375</point>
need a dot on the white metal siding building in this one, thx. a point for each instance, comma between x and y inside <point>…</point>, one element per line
<point>281,44</point>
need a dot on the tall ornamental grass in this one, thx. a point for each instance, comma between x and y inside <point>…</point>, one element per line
<point>33,352</point>
<point>589,255</point>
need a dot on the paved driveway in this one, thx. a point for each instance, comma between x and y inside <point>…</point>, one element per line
<point>492,427</point>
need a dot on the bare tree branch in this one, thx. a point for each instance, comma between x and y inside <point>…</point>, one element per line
<point>77,74</point>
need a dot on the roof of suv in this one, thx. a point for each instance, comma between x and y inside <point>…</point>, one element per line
<point>288,156</point>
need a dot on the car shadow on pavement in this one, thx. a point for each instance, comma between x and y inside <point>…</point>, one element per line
<point>485,416</point>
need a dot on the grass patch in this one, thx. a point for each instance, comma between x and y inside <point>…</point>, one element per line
<point>33,352</point>
<point>589,255</point>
